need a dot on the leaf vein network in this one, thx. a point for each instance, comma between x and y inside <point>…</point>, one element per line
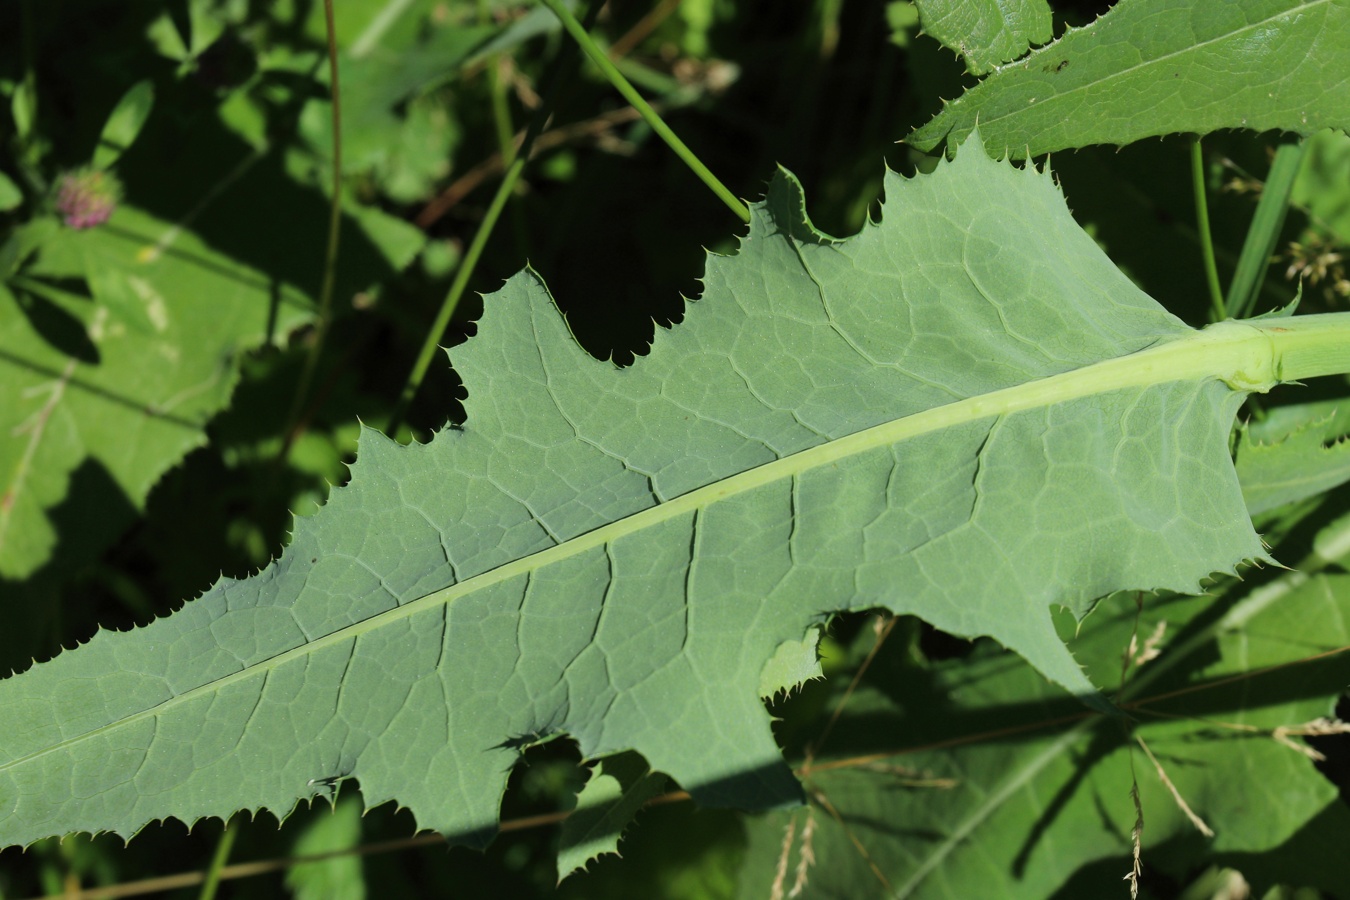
<point>581,435</point>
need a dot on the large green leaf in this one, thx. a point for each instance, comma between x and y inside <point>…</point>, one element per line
<point>1154,67</point>
<point>964,412</point>
<point>972,782</point>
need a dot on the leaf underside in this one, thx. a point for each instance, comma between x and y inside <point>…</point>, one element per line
<point>615,554</point>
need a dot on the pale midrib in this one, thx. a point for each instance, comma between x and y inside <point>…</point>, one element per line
<point>1229,351</point>
<point>1122,73</point>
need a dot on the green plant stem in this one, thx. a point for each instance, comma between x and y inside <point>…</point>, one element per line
<point>1265,229</point>
<point>563,70</point>
<point>501,115</point>
<point>461,281</point>
<point>1218,310</point>
<point>330,254</point>
<point>218,859</point>
<point>506,140</point>
<point>648,114</point>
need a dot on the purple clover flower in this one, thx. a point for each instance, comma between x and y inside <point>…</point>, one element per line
<point>87,198</point>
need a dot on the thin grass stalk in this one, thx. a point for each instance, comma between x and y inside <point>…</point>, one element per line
<point>1265,229</point>
<point>564,68</point>
<point>1218,312</point>
<point>649,115</point>
<point>330,254</point>
<point>211,883</point>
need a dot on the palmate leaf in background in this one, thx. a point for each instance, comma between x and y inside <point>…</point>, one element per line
<point>1012,800</point>
<point>97,397</point>
<point>964,412</point>
<point>986,32</point>
<point>1155,67</point>
<point>108,399</point>
<point>392,129</point>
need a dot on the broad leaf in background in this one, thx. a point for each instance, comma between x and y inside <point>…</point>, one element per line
<point>1322,188</point>
<point>336,878</point>
<point>986,33</point>
<point>1154,67</point>
<point>383,83</point>
<point>99,397</point>
<point>124,123</point>
<point>98,406</point>
<point>1009,799</point>
<point>965,412</point>
<point>1294,453</point>
<point>618,787</point>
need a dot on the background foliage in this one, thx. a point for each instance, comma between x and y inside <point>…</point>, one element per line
<point>141,459</point>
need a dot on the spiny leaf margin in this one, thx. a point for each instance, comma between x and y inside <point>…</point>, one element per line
<point>620,569</point>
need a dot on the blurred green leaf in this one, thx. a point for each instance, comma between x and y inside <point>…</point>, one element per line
<point>386,130</point>
<point>23,107</point>
<point>419,152</point>
<point>165,37</point>
<point>1323,184</point>
<point>206,21</point>
<point>124,123</point>
<point>10,195</point>
<point>339,877</point>
<point>132,300</point>
<point>902,18</point>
